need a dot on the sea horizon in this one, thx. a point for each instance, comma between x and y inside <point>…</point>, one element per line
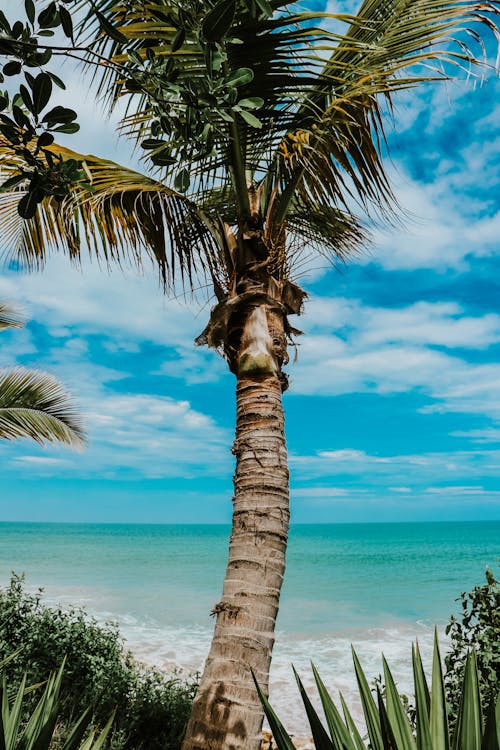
<point>228,523</point>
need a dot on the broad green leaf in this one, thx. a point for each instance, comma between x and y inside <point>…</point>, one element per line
<point>239,77</point>
<point>369,706</point>
<point>30,10</point>
<point>251,119</point>
<point>12,182</point>
<point>178,39</point>
<point>60,84</point>
<point>109,29</point>
<point>27,207</point>
<point>218,21</point>
<point>49,16</point>
<point>66,21</point>
<point>68,128</point>
<point>182,181</point>
<point>265,8</point>
<point>12,68</point>
<point>41,90</point>
<point>45,139</point>
<point>252,102</point>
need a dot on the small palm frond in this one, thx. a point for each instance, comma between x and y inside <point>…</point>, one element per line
<point>10,316</point>
<point>333,233</point>
<point>34,405</point>
<point>117,213</point>
<point>334,150</point>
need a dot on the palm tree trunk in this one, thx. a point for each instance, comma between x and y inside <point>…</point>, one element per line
<point>226,713</point>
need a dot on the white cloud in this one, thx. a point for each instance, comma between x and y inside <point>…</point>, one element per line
<point>351,348</point>
<point>399,473</point>
<point>460,490</point>
<point>322,492</point>
<point>137,435</point>
<point>41,460</point>
<point>491,435</point>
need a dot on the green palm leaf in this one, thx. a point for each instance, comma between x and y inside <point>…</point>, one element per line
<point>34,405</point>
<point>118,213</point>
<point>391,45</point>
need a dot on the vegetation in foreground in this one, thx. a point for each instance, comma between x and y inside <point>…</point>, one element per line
<point>460,709</point>
<point>100,675</point>
<point>478,627</point>
<point>39,729</point>
<point>387,722</point>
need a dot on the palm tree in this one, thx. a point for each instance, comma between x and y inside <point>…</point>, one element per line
<point>33,404</point>
<point>264,134</point>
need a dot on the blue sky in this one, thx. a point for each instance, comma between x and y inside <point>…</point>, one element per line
<point>394,408</point>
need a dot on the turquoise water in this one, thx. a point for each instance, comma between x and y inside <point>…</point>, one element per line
<point>378,585</point>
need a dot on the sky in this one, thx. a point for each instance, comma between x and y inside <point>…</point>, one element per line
<point>393,412</point>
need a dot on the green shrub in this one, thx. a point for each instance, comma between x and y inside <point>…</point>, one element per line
<point>477,626</point>
<point>152,708</point>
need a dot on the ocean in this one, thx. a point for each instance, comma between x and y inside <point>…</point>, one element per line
<point>377,586</point>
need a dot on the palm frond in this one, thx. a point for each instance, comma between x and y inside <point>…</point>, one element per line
<point>10,316</point>
<point>34,405</point>
<point>330,231</point>
<point>390,46</point>
<point>118,214</point>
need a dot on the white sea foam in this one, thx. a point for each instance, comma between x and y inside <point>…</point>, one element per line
<point>186,649</point>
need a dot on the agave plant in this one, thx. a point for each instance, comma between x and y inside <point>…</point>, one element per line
<point>33,404</point>
<point>39,730</point>
<point>387,724</point>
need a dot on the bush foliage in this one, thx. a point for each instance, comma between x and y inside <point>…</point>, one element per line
<point>152,708</point>
<point>477,626</point>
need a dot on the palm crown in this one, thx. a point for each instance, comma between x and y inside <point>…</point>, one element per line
<point>251,115</point>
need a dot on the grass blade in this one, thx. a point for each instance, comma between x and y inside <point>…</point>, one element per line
<point>397,714</point>
<point>491,739</point>
<point>469,726</point>
<point>280,735</point>
<point>338,732</point>
<point>357,742</point>
<point>422,701</point>
<point>320,736</point>
<point>369,706</point>
<point>438,714</point>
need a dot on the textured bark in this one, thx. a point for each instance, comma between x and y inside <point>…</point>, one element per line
<point>227,714</point>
